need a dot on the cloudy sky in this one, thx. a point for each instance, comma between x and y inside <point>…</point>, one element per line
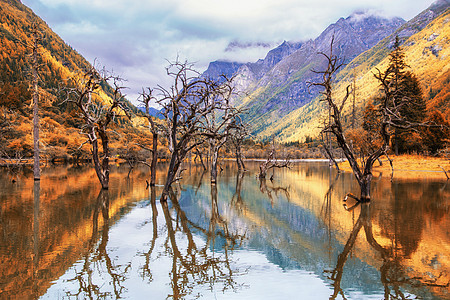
<point>137,38</point>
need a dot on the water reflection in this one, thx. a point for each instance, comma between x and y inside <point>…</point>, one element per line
<point>196,264</point>
<point>97,255</point>
<point>398,279</point>
<point>37,199</point>
<point>61,238</point>
<point>270,189</point>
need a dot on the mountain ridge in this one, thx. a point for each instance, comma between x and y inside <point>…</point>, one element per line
<point>283,92</point>
<point>305,121</point>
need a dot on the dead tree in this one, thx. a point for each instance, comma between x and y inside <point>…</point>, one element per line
<point>98,113</point>
<point>186,107</point>
<point>147,96</point>
<point>389,113</point>
<point>271,163</point>
<point>238,134</point>
<point>219,129</point>
<point>36,39</point>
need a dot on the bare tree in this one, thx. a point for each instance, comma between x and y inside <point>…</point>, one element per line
<point>35,80</point>
<point>272,162</point>
<point>147,96</point>
<point>238,134</point>
<point>186,107</point>
<point>219,129</point>
<point>389,115</point>
<point>97,113</point>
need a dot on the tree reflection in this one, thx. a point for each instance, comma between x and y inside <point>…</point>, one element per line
<point>36,239</point>
<point>236,200</point>
<point>394,276</point>
<point>97,258</point>
<point>197,263</point>
<point>146,271</point>
<point>269,190</point>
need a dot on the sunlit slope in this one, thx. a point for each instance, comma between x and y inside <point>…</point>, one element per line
<point>58,62</point>
<point>427,53</point>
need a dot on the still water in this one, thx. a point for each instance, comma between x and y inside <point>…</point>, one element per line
<point>290,238</point>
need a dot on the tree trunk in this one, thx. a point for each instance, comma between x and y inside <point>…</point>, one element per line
<point>102,169</point>
<point>105,160</point>
<point>171,173</point>
<point>36,169</point>
<point>239,160</point>
<point>154,160</point>
<point>364,185</point>
<point>214,158</point>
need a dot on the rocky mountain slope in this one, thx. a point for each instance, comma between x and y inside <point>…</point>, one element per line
<point>278,84</point>
<point>280,101</point>
<point>426,42</point>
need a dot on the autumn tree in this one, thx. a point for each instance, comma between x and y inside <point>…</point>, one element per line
<point>98,112</point>
<point>438,134</point>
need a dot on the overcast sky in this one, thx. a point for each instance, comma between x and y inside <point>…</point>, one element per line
<point>136,38</point>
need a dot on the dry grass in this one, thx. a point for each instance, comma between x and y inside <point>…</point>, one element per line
<point>411,166</point>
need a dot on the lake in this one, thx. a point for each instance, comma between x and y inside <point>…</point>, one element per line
<point>290,238</point>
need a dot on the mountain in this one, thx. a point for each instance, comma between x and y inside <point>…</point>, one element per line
<point>279,84</point>
<point>280,101</point>
<point>248,74</point>
<point>60,122</point>
<point>219,68</point>
<point>426,42</point>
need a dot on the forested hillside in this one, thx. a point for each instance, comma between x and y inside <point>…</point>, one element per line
<point>61,137</point>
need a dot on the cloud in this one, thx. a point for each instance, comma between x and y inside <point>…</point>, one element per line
<point>136,38</point>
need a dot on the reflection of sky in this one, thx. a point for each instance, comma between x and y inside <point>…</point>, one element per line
<point>285,257</point>
<point>132,234</point>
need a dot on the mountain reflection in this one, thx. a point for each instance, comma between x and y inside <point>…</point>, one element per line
<point>97,255</point>
<point>63,239</point>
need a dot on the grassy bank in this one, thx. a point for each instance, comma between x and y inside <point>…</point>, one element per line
<point>410,166</point>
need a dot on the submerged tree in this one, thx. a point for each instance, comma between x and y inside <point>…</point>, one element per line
<point>147,96</point>
<point>97,113</point>
<point>221,129</point>
<point>238,134</point>
<point>187,108</point>
<point>388,110</point>
<point>272,162</point>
